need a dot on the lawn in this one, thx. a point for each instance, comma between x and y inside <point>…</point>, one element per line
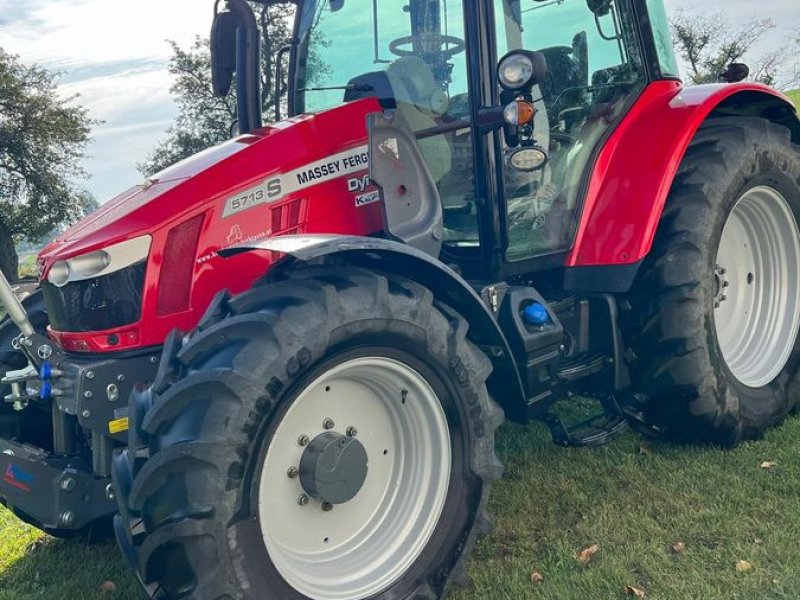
<point>795,97</point>
<point>634,498</point>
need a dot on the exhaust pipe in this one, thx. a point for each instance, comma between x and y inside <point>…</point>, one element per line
<point>14,307</point>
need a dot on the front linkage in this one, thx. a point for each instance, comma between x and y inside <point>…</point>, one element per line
<point>60,424</point>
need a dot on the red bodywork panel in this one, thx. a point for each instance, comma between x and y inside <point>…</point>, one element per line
<point>635,170</point>
<point>314,157</point>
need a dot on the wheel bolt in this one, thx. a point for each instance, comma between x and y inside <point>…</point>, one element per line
<point>722,271</point>
<point>716,304</point>
<point>328,424</point>
<point>291,472</point>
<point>352,431</point>
<point>303,440</point>
<point>723,298</point>
<point>302,500</point>
<point>327,507</point>
<point>726,284</point>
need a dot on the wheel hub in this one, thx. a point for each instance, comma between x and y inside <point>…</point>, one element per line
<point>757,287</point>
<point>333,468</point>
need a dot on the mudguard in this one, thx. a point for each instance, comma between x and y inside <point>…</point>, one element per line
<point>447,286</point>
<point>634,171</point>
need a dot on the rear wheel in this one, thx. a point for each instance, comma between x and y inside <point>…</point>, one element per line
<point>325,437</point>
<point>717,305</point>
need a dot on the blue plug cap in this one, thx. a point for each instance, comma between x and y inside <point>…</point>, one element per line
<point>535,314</point>
<point>46,392</point>
<point>46,372</point>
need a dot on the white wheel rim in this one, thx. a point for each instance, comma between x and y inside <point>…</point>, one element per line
<point>362,547</point>
<point>757,279</point>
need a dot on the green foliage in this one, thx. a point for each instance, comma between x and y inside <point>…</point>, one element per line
<point>42,139</point>
<point>204,120</point>
<point>708,44</point>
<point>635,498</point>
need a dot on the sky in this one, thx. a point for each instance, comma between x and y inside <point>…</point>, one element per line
<point>114,54</point>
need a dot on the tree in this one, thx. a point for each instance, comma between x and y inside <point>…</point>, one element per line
<point>709,44</point>
<point>204,120</point>
<point>42,140</point>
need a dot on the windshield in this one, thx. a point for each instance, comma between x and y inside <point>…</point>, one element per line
<point>419,47</point>
<point>341,40</point>
<point>594,71</point>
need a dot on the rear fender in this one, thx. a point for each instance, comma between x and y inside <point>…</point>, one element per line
<point>447,286</point>
<point>634,171</point>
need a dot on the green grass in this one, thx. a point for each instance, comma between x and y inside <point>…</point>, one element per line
<point>27,265</point>
<point>634,498</point>
<point>795,97</point>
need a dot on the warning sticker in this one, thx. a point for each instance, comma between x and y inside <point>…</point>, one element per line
<point>118,426</point>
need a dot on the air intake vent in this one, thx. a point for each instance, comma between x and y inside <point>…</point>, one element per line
<point>175,279</point>
<point>288,218</point>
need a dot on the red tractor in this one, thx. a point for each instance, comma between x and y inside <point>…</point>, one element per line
<point>281,363</point>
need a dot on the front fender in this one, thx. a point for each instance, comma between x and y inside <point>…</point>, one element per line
<point>634,171</point>
<point>447,286</point>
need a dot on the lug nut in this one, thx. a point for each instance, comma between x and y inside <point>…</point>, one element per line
<point>89,374</point>
<point>291,472</point>
<point>352,431</point>
<point>327,507</point>
<point>302,440</point>
<point>68,484</point>
<point>726,284</point>
<point>723,298</point>
<point>67,518</point>
<point>110,495</point>
<point>302,500</point>
<point>86,414</point>
<point>328,424</point>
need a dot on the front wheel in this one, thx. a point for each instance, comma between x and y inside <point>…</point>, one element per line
<point>326,437</point>
<point>716,308</point>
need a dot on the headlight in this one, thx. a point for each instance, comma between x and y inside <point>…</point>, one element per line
<point>528,159</point>
<point>520,69</point>
<point>100,262</point>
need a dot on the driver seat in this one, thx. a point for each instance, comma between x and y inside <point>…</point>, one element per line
<point>420,101</point>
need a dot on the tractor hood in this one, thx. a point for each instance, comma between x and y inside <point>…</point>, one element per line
<point>204,181</point>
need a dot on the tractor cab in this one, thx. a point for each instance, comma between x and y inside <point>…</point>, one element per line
<point>509,149</point>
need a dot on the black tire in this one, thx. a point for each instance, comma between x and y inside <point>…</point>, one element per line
<point>187,501</point>
<point>685,390</point>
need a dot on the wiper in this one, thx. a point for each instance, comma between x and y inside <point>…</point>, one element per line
<point>354,87</point>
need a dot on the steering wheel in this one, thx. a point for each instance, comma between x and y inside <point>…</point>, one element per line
<point>456,45</point>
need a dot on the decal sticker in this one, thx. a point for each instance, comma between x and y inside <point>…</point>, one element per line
<point>18,478</point>
<point>358,184</point>
<point>277,187</point>
<point>368,198</point>
<point>232,241</point>
<point>118,426</point>
<point>235,236</point>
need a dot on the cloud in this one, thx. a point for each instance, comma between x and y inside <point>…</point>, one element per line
<point>112,55</point>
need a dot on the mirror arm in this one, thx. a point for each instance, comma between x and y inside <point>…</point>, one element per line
<point>279,79</point>
<point>248,67</point>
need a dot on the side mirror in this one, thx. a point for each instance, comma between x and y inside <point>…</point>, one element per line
<point>599,7</point>
<point>223,52</point>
